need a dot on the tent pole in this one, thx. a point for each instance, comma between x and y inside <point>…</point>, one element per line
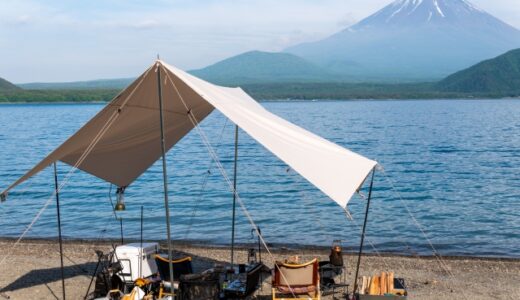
<point>165,176</point>
<point>121,227</point>
<point>59,228</point>
<point>141,248</point>
<point>363,232</point>
<point>234,198</point>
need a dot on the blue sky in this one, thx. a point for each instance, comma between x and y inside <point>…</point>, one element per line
<point>69,40</point>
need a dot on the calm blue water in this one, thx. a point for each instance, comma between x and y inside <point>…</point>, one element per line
<point>456,165</point>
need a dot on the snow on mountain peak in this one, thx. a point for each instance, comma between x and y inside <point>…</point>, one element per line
<point>410,6</point>
<point>472,6</point>
<point>415,12</point>
<point>438,8</point>
<point>407,2</point>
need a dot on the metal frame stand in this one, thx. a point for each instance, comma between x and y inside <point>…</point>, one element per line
<point>363,233</point>
<point>165,175</point>
<point>234,198</point>
<point>58,215</point>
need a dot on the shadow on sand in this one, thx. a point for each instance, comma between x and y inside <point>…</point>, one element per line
<point>46,276</point>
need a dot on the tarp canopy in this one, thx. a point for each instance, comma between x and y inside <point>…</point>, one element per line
<point>123,140</point>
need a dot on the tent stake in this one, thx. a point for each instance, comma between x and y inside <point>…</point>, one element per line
<point>59,228</point>
<point>165,176</point>
<point>234,198</point>
<point>363,232</point>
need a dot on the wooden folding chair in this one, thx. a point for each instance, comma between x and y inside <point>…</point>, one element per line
<point>296,280</point>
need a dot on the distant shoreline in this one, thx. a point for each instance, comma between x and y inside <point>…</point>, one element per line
<point>298,91</point>
<point>285,100</point>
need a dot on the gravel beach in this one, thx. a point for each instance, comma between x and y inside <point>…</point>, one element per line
<point>31,270</point>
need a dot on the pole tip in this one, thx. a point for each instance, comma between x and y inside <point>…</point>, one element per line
<point>3,197</point>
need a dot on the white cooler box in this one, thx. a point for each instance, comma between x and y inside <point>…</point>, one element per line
<point>129,256</point>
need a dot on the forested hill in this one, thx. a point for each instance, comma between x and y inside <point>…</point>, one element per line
<point>497,75</point>
<point>101,84</point>
<point>263,67</point>
<point>7,86</point>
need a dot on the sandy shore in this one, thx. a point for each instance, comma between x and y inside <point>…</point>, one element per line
<point>31,271</point>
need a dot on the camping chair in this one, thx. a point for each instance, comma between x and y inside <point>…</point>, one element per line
<point>180,267</point>
<point>293,280</point>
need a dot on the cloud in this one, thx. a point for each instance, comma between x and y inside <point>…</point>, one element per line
<point>347,20</point>
<point>506,10</point>
<point>294,37</point>
<point>147,24</point>
<point>21,20</point>
<point>143,24</point>
<point>118,38</point>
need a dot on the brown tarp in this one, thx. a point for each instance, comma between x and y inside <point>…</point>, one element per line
<point>131,144</point>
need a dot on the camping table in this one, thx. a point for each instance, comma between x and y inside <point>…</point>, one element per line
<point>334,286</point>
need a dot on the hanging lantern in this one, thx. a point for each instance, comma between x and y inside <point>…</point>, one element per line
<point>120,194</point>
<point>336,257</point>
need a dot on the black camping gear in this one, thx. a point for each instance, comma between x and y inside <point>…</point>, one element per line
<point>199,287</point>
<point>180,267</point>
<point>249,277</point>
<point>332,268</point>
<point>106,278</point>
<point>252,252</point>
<point>246,283</point>
<point>336,257</point>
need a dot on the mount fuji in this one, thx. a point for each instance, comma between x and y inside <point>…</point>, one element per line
<point>412,40</point>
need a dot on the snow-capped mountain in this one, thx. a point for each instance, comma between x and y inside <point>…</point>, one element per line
<point>413,39</point>
<point>432,12</point>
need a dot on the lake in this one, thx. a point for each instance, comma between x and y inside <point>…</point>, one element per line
<point>454,165</point>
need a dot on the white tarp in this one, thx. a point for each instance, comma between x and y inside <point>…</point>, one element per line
<point>123,140</point>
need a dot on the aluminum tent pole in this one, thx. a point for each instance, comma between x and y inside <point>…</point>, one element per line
<point>58,215</point>
<point>363,231</point>
<point>165,176</point>
<point>121,229</point>
<point>234,198</point>
<point>141,247</point>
